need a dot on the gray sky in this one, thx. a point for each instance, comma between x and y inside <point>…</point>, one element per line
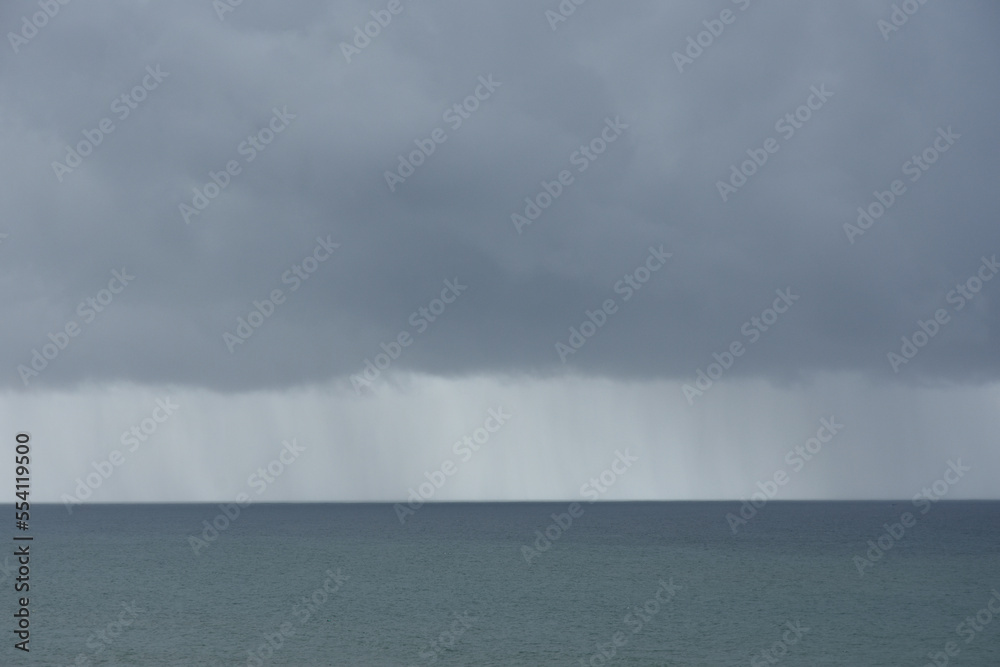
<point>120,121</point>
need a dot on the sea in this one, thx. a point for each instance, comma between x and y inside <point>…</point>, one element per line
<point>623,583</point>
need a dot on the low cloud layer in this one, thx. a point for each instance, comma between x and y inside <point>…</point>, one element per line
<point>259,124</point>
<point>687,232</point>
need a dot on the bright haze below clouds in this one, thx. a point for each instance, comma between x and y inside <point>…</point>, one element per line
<point>693,231</point>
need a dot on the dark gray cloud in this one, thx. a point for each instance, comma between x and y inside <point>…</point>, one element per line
<point>323,176</point>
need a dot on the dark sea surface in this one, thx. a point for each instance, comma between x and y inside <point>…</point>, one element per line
<point>671,582</point>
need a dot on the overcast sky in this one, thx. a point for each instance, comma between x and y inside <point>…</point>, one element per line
<point>240,208</point>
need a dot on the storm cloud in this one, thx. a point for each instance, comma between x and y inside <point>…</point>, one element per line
<point>249,199</point>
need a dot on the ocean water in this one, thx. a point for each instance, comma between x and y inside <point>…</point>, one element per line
<point>623,584</point>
